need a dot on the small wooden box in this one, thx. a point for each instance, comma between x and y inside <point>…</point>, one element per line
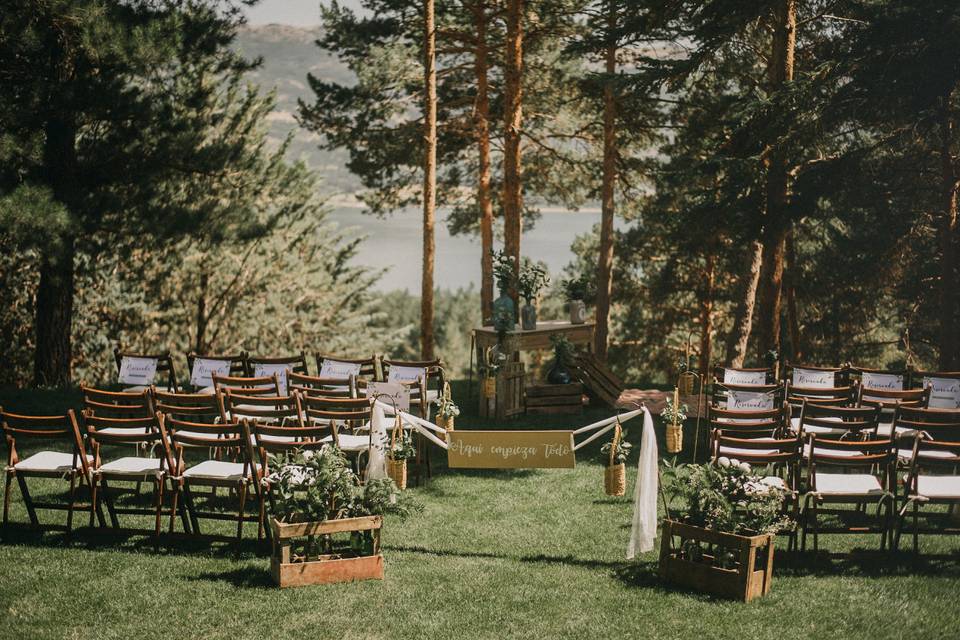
<point>326,569</point>
<point>546,399</point>
<point>749,578</point>
<point>508,401</point>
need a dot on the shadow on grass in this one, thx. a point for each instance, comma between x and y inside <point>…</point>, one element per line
<point>534,559</point>
<point>866,563</point>
<point>242,578</point>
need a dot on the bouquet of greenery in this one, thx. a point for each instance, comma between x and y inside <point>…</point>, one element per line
<point>532,278</point>
<point>503,270</point>
<point>620,453</point>
<point>728,497</point>
<point>401,446</point>
<point>577,288</point>
<point>674,414</point>
<point>446,407</point>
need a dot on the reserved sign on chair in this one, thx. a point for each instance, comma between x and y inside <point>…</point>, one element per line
<point>732,376</point>
<point>882,381</point>
<point>813,379</point>
<point>337,369</point>
<point>945,393</point>
<point>268,369</point>
<point>204,368</point>
<point>137,371</point>
<point>749,400</point>
<point>392,393</point>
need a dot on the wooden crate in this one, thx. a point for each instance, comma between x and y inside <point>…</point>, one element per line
<point>545,399</point>
<point>327,569</point>
<point>508,402</point>
<point>749,578</point>
<point>601,383</point>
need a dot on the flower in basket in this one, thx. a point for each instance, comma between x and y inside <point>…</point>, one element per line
<point>401,448</point>
<point>674,413</point>
<point>446,407</point>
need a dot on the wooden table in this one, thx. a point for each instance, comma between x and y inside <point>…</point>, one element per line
<point>510,383</point>
<point>539,338</point>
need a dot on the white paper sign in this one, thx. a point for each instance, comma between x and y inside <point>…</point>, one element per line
<point>262,369</point>
<point>339,370</point>
<point>391,393</point>
<point>204,369</point>
<point>945,393</point>
<point>812,379</point>
<point>405,374</point>
<point>732,376</point>
<point>882,381</point>
<point>137,371</point>
<point>749,400</point>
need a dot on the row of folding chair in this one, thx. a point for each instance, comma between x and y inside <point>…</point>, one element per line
<point>836,455</point>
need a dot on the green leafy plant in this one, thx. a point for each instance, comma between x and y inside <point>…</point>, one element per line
<point>563,350</point>
<point>674,414</point>
<point>728,497</point>
<point>503,271</point>
<point>532,278</point>
<point>402,448</point>
<point>577,288</point>
<point>446,407</point>
<point>621,453</point>
<point>319,485</point>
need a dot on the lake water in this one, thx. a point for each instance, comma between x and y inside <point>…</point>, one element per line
<point>395,243</point>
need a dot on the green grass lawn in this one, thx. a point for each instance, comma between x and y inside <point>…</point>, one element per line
<point>495,554</point>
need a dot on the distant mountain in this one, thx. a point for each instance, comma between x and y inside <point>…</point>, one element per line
<point>288,54</point>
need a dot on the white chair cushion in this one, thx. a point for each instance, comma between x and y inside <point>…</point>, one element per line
<point>132,466</point>
<point>795,426</point>
<point>859,484</point>
<point>432,395</point>
<point>123,431</point>
<point>907,454</point>
<point>54,461</point>
<point>836,453</point>
<point>353,443</point>
<point>253,439</point>
<point>208,391</point>
<point>216,470</point>
<point>884,429</point>
<point>939,486</point>
<point>735,451</point>
<point>137,387</point>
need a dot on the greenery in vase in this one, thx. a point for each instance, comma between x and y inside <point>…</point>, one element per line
<point>621,453</point>
<point>403,448</point>
<point>446,407</point>
<point>503,271</point>
<point>577,288</point>
<point>532,279</point>
<point>674,414</point>
<point>562,350</point>
<point>320,485</point>
<point>729,497</point>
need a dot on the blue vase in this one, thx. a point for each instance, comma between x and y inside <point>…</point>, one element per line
<point>504,313</point>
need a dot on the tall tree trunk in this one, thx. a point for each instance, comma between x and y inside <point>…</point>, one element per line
<point>55,291</point>
<point>706,315</point>
<point>739,337</point>
<point>790,282</point>
<point>607,204</point>
<point>200,345</point>
<point>482,128</point>
<point>949,236</point>
<point>513,120</point>
<point>429,178</point>
<point>776,222</point>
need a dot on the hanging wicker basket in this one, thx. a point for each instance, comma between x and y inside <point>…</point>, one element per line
<point>615,480</point>
<point>674,438</point>
<point>489,387</point>
<point>445,422</point>
<point>685,383</point>
<point>397,470</point>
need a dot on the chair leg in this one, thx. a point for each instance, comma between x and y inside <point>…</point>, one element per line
<point>191,509</point>
<point>803,523</point>
<point>108,499</point>
<point>73,499</point>
<point>243,504</point>
<point>27,500</point>
<point>158,489</point>
<point>916,527</point>
<point>174,500</point>
<point>6,499</point>
<point>816,526</point>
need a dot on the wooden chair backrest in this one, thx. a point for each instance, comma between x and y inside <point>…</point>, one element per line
<point>195,407</point>
<point>183,434</point>
<point>248,385</point>
<point>60,428</point>
<point>721,392</point>
<point>757,452</point>
<point>165,366</point>
<point>765,423</point>
<point>261,408</point>
<point>353,411</point>
<point>296,363</point>
<point>272,439</point>
<point>837,453</point>
<point>936,424</point>
<point>857,421</point>
<point>833,396</point>
<point>720,370</point>
<point>317,386</point>
<point>888,399</point>
<point>841,374</point>
<point>117,404</point>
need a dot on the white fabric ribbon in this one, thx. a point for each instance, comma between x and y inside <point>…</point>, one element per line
<point>644,528</point>
<point>376,462</point>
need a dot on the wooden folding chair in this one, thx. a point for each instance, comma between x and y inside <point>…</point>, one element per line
<point>931,424</point>
<point>945,388</point>
<point>191,407</point>
<point>281,365</point>
<point>424,377</point>
<point>248,385</point>
<point>874,484</point>
<point>933,479</point>
<point>724,395</point>
<point>349,421</point>
<point>147,435</point>
<point>239,475</point>
<point>761,425</point>
<point>165,370</point>
<point>836,422</point>
<point>781,457</point>
<point>73,465</point>
<point>318,386</point>
<point>273,409</point>
<point>844,396</point>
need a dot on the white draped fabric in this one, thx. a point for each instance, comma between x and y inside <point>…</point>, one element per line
<point>376,463</point>
<point>644,528</point>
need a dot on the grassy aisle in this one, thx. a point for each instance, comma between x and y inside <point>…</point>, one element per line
<point>527,554</point>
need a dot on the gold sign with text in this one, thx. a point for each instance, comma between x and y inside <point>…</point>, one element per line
<point>510,449</point>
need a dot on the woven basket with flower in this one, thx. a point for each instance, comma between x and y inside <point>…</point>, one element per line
<point>614,454</point>
<point>401,449</point>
